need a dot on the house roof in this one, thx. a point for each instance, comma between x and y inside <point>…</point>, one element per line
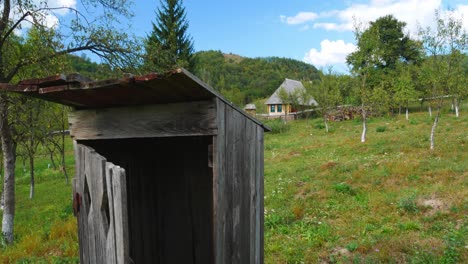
<point>290,86</point>
<point>82,93</point>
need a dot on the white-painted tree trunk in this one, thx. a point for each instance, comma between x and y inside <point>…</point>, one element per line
<point>434,125</point>
<point>364,125</point>
<point>31,180</point>
<point>326,123</point>
<point>407,114</point>
<point>430,111</point>
<point>455,104</point>
<point>364,131</point>
<point>9,158</point>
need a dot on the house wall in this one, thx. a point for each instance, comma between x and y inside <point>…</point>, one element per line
<point>285,109</point>
<point>238,188</point>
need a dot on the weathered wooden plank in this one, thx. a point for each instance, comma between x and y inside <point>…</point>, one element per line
<point>110,254</point>
<point>228,175</point>
<point>237,143</point>
<point>90,196</point>
<point>253,210</point>
<point>259,243</point>
<point>219,185</point>
<point>179,119</point>
<point>119,190</point>
<point>244,176</point>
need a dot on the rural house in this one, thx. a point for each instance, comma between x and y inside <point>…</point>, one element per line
<point>277,108</point>
<point>167,170</point>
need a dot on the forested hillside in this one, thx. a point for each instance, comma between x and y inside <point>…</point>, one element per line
<point>242,79</point>
<point>84,66</point>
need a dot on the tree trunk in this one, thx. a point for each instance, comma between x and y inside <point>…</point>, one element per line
<point>399,110</point>
<point>407,112</point>
<point>364,125</point>
<point>31,173</point>
<point>2,199</point>
<point>326,123</point>
<point>457,113</point>
<point>9,158</point>
<point>434,125</point>
<point>430,111</point>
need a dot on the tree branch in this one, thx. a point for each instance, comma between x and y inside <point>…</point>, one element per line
<point>13,27</point>
<point>90,47</point>
<point>5,16</point>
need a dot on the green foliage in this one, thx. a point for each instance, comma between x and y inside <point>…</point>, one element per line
<point>344,188</point>
<point>383,45</point>
<point>84,66</point>
<point>255,78</point>
<point>408,204</point>
<point>278,126</point>
<point>352,246</point>
<point>381,129</point>
<point>169,46</point>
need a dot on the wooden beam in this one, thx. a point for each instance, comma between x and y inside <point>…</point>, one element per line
<point>161,120</point>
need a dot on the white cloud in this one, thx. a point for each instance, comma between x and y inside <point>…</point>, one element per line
<point>49,18</point>
<point>414,12</point>
<point>331,52</point>
<point>300,18</point>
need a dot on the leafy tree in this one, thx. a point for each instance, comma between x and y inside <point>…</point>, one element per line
<point>169,46</point>
<point>404,87</point>
<point>380,48</point>
<point>327,94</point>
<point>442,70</point>
<point>362,68</point>
<point>43,46</point>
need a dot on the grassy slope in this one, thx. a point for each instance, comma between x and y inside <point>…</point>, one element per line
<point>328,197</point>
<point>45,229</point>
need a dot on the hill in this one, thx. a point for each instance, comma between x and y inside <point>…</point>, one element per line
<point>242,79</point>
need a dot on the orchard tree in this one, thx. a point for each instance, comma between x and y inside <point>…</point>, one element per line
<point>380,48</point>
<point>169,45</point>
<point>442,71</point>
<point>326,93</point>
<point>404,88</point>
<point>44,44</point>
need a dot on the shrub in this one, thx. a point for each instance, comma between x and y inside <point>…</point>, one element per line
<point>344,188</point>
<point>408,204</point>
<point>381,129</point>
<point>278,126</point>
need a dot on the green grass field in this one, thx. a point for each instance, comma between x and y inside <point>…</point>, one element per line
<point>331,199</point>
<point>328,197</point>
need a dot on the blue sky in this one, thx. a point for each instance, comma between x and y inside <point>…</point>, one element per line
<point>317,32</point>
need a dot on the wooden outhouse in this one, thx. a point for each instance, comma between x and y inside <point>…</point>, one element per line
<point>167,171</point>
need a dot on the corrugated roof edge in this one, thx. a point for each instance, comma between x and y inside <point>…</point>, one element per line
<point>34,87</point>
<point>215,93</point>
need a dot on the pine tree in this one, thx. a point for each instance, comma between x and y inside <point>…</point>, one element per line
<point>169,46</point>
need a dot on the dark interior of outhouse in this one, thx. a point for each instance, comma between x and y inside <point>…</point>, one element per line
<point>169,196</point>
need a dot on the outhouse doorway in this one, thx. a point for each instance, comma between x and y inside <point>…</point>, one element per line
<point>169,183</point>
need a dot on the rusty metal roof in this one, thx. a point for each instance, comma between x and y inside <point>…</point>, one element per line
<point>83,93</point>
